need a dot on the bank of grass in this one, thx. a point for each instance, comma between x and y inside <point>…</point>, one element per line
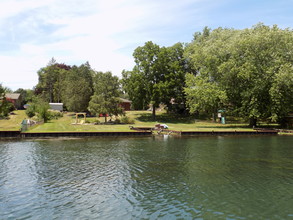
<point>13,121</point>
<point>141,119</point>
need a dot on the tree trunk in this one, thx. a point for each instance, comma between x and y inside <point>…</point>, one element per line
<point>215,117</point>
<point>252,122</point>
<point>105,118</point>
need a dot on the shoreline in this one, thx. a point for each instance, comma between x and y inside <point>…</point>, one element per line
<point>19,134</point>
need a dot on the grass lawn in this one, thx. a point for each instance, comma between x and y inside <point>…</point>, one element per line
<point>142,119</point>
<point>13,121</point>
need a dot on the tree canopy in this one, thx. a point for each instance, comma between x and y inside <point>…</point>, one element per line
<point>249,66</point>
<point>72,85</point>
<point>157,77</point>
<point>77,88</point>
<point>106,95</point>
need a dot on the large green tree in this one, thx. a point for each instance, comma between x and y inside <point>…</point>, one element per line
<point>157,77</point>
<point>51,77</point>
<point>77,88</point>
<point>106,95</point>
<point>248,65</point>
<point>134,87</point>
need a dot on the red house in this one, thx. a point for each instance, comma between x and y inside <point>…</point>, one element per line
<point>15,99</point>
<point>125,104</point>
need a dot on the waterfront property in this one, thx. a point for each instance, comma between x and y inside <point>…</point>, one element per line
<point>15,99</point>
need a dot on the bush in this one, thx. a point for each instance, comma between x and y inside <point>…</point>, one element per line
<point>30,111</point>
<point>95,121</point>
<point>55,114</point>
<point>43,112</point>
<point>117,121</point>
<point>127,120</point>
<point>6,107</point>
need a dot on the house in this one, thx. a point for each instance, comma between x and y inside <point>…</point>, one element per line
<point>15,99</point>
<point>125,104</point>
<point>56,106</point>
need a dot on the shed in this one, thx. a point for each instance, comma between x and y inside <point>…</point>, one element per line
<point>56,106</point>
<point>125,104</point>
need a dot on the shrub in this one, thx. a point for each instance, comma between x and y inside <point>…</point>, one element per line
<point>31,111</point>
<point>55,114</point>
<point>43,112</point>
<point>95,121</point>
<point>127,120</point>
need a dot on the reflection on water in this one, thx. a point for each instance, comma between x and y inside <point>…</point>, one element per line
<point>147,178</point>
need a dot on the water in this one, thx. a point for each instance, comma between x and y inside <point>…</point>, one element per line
<point>147,178</point>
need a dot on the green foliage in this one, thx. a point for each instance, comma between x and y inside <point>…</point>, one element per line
<point>126,120</point>
<point>40,109</point>
<point>43,112</point>
<point>77,88</point>
<point>48,76</point>
<point>55,114</point>
<point>250,66</point>
<point>204,95</point>
<point>5,106</point>
<point>281,93</point>
<point>106,95</point>
<point>157,77</point>
<point>31,111</point>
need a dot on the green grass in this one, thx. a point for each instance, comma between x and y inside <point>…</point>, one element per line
<point>13,122</point>
<point>141,118</point>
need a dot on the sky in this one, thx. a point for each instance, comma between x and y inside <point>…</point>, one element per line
<point>106,32</point>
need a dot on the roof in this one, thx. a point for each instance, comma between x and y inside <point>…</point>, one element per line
<point>55,103</point>
<point>125,100</point>
<point>12,96</point>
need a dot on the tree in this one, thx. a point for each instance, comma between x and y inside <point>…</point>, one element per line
<point>106,95</point>
<point>40,108</point>
<point>174,66</point>
<point>5,106</point>
<point>204,95</point>
<point>157,77</point>
<point>132,83</point>
<point>281,93</point>
<point>245,64</point>
<point>147,64</point>
<point>77,88</point>
<point>50,81</point>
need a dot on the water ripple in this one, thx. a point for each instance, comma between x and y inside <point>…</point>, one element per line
<point>145,178</point>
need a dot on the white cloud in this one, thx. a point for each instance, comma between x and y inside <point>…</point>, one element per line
<point>105,33</point>
<point>14,7</point>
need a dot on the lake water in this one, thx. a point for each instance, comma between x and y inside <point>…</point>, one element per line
<point>147,178</point>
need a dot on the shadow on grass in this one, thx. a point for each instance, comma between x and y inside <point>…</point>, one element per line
<point>166,118</point>
<point>225,126</point>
